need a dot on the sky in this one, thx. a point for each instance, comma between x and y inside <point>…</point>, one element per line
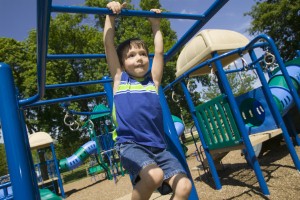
<point>18,17</point>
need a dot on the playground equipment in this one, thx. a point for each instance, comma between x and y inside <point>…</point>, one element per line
<point>101,146</point>
<point>78,157</point>
<point>46,170</point>
<point>22,174</point>
<point>5,188</point>
<point>48,174</point>
<point>223,124</point>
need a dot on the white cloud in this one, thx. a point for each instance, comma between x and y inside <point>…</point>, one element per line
<point>184,11</point>
<point>230,14</point>
<point>243,26</point>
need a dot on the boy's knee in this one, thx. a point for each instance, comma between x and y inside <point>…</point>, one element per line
<point>183,188</point>
<point>153,176</point>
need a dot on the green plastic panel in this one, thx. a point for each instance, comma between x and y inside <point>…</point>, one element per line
<point>217,124</point>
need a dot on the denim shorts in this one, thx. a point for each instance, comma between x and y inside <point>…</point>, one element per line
<point>134,157</point>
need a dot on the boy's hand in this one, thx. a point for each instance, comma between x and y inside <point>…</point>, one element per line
<point>155,21</point>
<point>116,7</point>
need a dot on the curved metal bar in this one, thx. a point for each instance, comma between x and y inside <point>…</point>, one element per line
<point>279,60</point>
<point>213,9</point>
<point>209,61</point>
<point>43,21</point>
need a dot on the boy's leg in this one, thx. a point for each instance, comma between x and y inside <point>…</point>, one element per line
<point>181,186</point>
<point>174,175</point>
<point>151,177</point>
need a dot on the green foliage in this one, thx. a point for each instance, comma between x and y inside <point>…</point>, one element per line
<point>74,175</point>
<point>3,163</point>
<point>240,83</point>
<point>280,20</point>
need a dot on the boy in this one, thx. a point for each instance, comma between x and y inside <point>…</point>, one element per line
<point>137,112</point>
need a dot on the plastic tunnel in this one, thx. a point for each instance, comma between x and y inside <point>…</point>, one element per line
<point>252,104</point>
<point>280,90</point>
<point>78,157</point>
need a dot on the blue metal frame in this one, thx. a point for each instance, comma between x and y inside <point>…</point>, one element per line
<point>174,145</point>
<point>241,125</point>
<point>19,158</point>
<point>14,131</point>
<point>251,158</point>
<point>60,183</point>
<point>17,149</point>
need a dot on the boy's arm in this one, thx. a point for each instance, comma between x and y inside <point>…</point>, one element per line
<point>110,50</point>
<point>113,62</point>
<point>158,60</point>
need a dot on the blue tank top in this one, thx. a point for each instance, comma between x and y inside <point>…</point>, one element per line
<point>137,112</point>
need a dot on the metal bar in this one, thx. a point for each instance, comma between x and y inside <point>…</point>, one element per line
<point>210,12</point>
<point>109,92</point>
<point>76,84</point>
<point>282,67</point>
<point>87,113</point>
<point>74,56</point>
<point>209,61</point>
<point>173,140</point>
<point>79,56</point>
<point>124,12</point>
<point>276,114</point>
<point>17,155</point>
<point>241,125</point>
<point>60,183</point>
<point>203,64</point>
<point>63,99</point>
<point>43,21</point>
<point>209,158</point>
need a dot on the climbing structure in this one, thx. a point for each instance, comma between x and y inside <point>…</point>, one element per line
<point>223,123</point>
<point>19,159</point>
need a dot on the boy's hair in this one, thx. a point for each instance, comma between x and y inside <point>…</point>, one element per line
<point>137,42</point>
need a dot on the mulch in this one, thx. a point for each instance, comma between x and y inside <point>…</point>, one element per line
<point>237,178</point>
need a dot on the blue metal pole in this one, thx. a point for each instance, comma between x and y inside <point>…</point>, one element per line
<point>173,141</point>
<point>292,129</point>
<point>241,126</point>
<point>74,56</point>
<point>124,12</point>
<point>109,91</point>
<point>62,191</point>
<point>76,84</point>
<point>209,13</point>
<point>16,150</point>
<point>43,22</point>
<point>64,99</point>
<point>275,112</point>
<point>206,150</point>
<point>282,67</point>
<point>27,144</point>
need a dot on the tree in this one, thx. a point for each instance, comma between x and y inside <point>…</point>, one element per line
<point>70,34</point>
<point>3,163</point>
<point>67,35</point>
<point>240,83</point>
<point>280,20</point>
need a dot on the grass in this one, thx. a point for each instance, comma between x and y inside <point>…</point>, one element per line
<point>74,175</point>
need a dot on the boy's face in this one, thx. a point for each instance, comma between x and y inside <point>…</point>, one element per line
<point>136,61</point>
